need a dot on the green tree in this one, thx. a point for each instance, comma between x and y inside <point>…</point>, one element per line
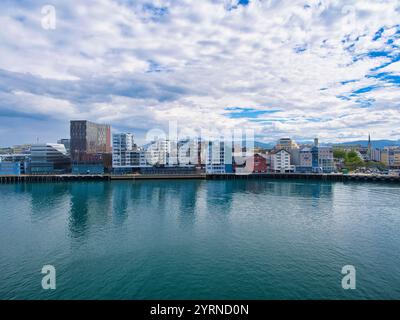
<point>339,154</point>
<point>353,161</point>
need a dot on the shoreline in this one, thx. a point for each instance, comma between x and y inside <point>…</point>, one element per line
<point>9,179</point>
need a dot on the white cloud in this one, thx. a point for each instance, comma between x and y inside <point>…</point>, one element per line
<point>268,55</point>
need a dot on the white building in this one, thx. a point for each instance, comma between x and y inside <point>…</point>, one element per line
<point>219,157</point>
<point>280,161</point>
<point>290,146</point>
<point>158,153</point>
<point>125,152</point>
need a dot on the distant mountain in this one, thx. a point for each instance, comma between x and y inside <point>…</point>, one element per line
<point>263,145</point>
<point>380,144</point>
<point>375,143</point>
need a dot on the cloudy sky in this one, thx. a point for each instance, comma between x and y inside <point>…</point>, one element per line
<point>325,68</point>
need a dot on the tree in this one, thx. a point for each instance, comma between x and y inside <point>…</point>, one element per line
<point>353,161</point>
<point>339,154</point>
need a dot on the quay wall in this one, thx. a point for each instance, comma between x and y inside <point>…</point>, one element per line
<point>271,176</point>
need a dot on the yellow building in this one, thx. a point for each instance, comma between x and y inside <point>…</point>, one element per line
<point>385,157</point>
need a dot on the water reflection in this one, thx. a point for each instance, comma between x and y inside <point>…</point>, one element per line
<point>90,205</point>
<point>103,203</point>
<point>47,199</point>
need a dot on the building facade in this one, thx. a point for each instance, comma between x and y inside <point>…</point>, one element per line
<point>219,157</point>
<point>14,164</point>
<point>280,161</point>
<point>66,143</point>
<point>306,157</point>
<point>290,146</point>
<point>89,138</point>
<point>126,155</point>
<point>158,153</point>
<point>49,158</point>
<point>390,156</point>
<point>260,163</point>
<point>322,158</point>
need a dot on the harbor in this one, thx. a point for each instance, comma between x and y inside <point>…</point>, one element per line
<point>200,176</point>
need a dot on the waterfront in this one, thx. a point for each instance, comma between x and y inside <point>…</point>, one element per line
<point>173,239</point>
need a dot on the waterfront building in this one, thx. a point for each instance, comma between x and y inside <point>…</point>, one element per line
<point>390,156</point>
<point>66,143</point>
<point>126,154</point>
<point>322,158</point>
<point>14,164</point>
<point>219,157</point>
<point>290,146</point>
<point>260,163</point>
<point>158,153</point>
<point>122,146</point>
<point>49,158</point>
<point>88,138</point>
<point>188,152</point>
<point>306,157</point>
<point>280,161</point>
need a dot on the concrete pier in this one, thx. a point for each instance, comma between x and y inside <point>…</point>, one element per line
<point>202,176</point>
<point>50,178</point>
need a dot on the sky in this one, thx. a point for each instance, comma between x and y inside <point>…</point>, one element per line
<point>287,68</point>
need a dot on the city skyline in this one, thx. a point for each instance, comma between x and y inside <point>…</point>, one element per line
<point>282,68</point>
<point>182,136</point>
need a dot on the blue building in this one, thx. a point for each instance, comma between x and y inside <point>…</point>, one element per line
<point>322,158</point>
<point>14,164</point>
<point>219,157</point>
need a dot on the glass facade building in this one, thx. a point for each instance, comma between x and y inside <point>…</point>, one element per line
<point>89,138</point>
<point>49,158</point>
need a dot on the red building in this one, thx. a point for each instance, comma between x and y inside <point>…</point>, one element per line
<point>257,163</point>
<point>260,164</point>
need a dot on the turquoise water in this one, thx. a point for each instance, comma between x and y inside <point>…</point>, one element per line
<point>200,239</point>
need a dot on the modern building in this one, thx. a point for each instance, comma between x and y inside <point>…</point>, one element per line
<point>322,158</point>
<point>188,152</point>
<point>66,143</point>
<point>290,146</point>
<point>158,153</point>
<point>123,144</point>
<point>219,157</point>
<point>88,138</point>
<point>49,158</point>
<point>280,161</point>
<point>390,156</point>
<point>126,155</point>
<point>376,155</point>
<point>14,164</point>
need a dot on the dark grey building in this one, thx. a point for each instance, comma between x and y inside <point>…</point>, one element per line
<point>88,138</point>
